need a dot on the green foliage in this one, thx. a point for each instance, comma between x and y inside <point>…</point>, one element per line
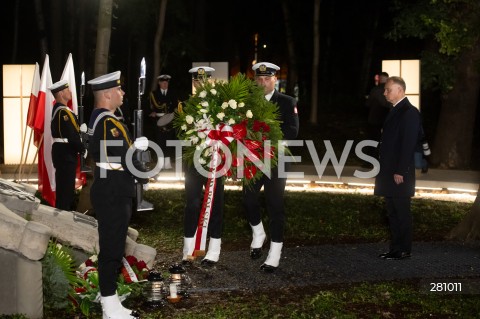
<point>454,27</point>
<point>58,275</point>
<point>238,105</point>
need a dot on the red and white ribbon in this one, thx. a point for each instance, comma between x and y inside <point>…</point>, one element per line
<point>222,134</point>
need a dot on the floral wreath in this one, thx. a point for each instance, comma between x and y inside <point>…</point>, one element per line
<point>234,121</point>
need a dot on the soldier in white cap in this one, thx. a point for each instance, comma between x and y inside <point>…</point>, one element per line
<point>113,190</point>
<point>162,106</point>
<point>194,184</point>
<point>274,187</point>
<point>66,145</point>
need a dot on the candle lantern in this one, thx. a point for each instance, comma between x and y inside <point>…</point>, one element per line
<point>178,281</point>
<point>154,290</point>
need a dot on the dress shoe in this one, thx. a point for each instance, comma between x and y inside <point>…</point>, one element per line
<point>267,268</point>
<point>208,263</point>
<point>425,170</point>
<point>395,255</point>
<point>255,253</point>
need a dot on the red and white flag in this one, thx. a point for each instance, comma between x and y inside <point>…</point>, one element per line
<point>41,124</point>
<point>69,75</point>
<point>32,106</point>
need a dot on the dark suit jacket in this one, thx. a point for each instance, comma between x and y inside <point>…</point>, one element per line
<point>288,114</point>
<point>397,146</point>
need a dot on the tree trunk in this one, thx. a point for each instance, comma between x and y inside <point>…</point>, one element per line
<point>452,147</point>
<point>292,75</point>
<point>368,50</point>
<point>157,41</point>
<point>315,62</point>
<point>42,33</point>
<point>57,61</point>
<point>469,228</point>
<point>104,31</point>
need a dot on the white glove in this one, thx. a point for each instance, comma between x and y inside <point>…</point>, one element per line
<point>141,143</point>
<point>83,128</point>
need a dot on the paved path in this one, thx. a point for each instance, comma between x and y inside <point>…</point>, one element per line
<point>338,264</point>
<point>435,178</point>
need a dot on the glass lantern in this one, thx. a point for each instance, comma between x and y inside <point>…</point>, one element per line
<point>154,290</point>
<point>180,279</point>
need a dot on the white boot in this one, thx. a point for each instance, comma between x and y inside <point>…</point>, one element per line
<point>112,308</point>
<point>274,254</point>
<point>258,236</point>
<point>188,243</point>
<point>168,163</point>
<point>213,253</point>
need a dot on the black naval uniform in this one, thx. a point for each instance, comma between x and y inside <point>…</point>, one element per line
<point>274,187</point>
<point>112,196</point>
<point>65,149</point>
<point>163,104</point>
<point>194,183</point>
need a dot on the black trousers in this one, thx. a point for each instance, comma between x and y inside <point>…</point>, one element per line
<point>194,183</point>
<point>400,221</point>
<point>113,213</point>
<point>65,173</point>
<point>274,189</point>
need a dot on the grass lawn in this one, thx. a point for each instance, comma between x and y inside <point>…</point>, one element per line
<point>313,219</point>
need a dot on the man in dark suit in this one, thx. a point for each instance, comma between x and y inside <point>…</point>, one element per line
<point>396,179</point>
<point>378,109</point>
<point>66,145</point>
<point>274,187</point>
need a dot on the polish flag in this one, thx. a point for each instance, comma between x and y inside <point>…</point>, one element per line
<point>69,75</point>
<point>32,106</point>
<point>41,125</point>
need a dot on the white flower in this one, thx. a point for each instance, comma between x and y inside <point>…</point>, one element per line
<point>249,114</point>
<point>202,161</point>
<point>202,135</point>
<point>241,104</point>
<point>220,116</point>
<point>189,119</point>
<point>213,91</point>
<point>204,103</point>
<point>231,121</point>
<point>194,139</point>
<point>198,148</point>
<point>224,105</point>
<point>202,94</point>
<point>204,111</point>
<point>233,104</point>
<point>94,258</point>
<point>184,127</point>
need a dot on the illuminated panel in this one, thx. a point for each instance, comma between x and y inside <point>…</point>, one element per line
<point>17,87</point>
<point>409,70</point>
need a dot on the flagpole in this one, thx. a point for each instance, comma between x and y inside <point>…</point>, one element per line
<point>28,149</point>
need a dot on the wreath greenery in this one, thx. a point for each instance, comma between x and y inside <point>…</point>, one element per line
<point>234,114</point>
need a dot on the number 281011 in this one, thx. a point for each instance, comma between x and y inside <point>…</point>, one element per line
<point>445,287</point>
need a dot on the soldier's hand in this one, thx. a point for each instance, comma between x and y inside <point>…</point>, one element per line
<point>83,128</point>
<point>141,143</point>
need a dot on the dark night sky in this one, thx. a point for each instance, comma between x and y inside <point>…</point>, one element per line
<point>217,30</point>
